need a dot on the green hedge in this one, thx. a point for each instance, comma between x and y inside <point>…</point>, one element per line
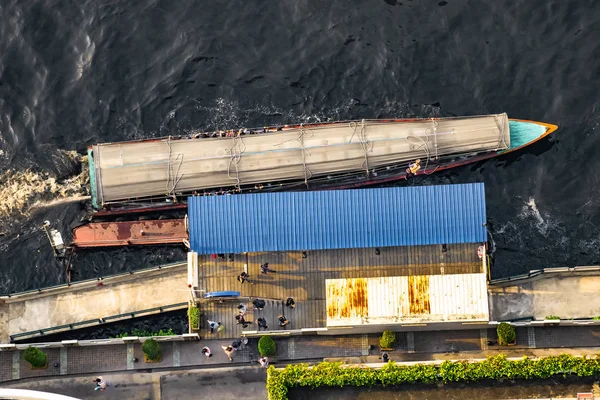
<point>35,357</point>
<point>266,346</point>
<point>497,367</point>
<point>146,333</point>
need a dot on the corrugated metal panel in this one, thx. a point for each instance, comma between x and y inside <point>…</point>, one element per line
<point>338,219</point>
<point>407,299</point>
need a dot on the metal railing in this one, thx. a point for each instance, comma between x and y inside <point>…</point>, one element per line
<point>74,285</point>
<point>545,271</point>
<point>97,321</point>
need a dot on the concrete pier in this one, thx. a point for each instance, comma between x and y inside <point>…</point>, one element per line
<point>93,300</point>
<point>559,292</point>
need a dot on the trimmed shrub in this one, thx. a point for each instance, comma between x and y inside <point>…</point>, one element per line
<point>151,349</point>
<point>506,333</point>
<point>194,314</point>
<point>494,368</point>
<point>35,357</point>
<point>266,346</point>
<point>387,340</point>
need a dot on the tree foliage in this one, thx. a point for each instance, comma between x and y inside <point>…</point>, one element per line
<point>506,333</point>
<point>266,346</point>
<point>387,340</point>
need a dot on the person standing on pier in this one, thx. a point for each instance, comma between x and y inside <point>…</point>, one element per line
<point>258,304</point>
<point>264,269</point>
<point>244,277</point>
<point>214,325</point>
<point>262,323</point>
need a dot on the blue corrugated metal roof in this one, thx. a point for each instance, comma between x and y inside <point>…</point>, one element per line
<point>338,219</point>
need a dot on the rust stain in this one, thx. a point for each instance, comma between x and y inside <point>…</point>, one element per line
<point>130,232</point>
<point>347,298</point>
<point>418,294</point>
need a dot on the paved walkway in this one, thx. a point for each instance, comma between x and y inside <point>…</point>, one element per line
<point>89,300</point>
<point>410,346</point>
<point>219,383</point>
<point>569,296</point>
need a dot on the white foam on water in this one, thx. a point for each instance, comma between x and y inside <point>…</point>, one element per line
<point>23,191</point>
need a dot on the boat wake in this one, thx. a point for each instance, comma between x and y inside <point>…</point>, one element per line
<point>22,192</point>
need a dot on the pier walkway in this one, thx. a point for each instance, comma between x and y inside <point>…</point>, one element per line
<point>566,293</point>
<point>94,302</point>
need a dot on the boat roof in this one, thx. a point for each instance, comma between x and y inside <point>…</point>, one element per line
<point>164,167</point>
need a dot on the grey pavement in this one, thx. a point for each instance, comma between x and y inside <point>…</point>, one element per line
<point>424,345</point>
<point>221,383</point>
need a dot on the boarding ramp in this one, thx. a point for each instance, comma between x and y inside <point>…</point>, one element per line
<point>93,302</point>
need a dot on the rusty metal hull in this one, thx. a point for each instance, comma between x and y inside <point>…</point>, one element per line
<point>152,232</point>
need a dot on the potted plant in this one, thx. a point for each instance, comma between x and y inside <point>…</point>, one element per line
<point>387,341</point>
<point>151,350</point>
<point>194,317</point>
<point>266,346</point>
<point>37,358</point>
<point>506,334</point>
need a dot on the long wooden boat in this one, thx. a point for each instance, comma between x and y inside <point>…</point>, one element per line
<point>159,174</point>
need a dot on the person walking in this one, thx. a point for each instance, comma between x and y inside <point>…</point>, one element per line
<point>214,325</point>
<point>228,351</point>
<point>101,384</point>
<point>242,309</point>
<point>244,277</point>
<point>237,344</point>
<point>264,362</point>
<point>283,321</point>
<point>265,269</point>
<point>241,321</point>
<point>290,302</point>
<point>206,351</point>
<point>262,323</point>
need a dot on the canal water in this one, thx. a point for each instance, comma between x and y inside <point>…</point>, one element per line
<point>74,73</point>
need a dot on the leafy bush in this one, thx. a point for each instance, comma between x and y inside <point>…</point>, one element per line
<point>151,349</point>
<point>145,333</point>
<point>194,314</point>
<point>266,346</point>
<point>496,367</point>
<point>387,340</point>
<point>552,317</point>
<point>35,357</point>
<point>506,333</point>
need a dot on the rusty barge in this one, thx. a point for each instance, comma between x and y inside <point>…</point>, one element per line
<point>127,233</point>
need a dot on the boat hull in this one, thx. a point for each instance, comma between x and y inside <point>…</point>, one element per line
<point>110,234</point>
<point>522,133</point>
